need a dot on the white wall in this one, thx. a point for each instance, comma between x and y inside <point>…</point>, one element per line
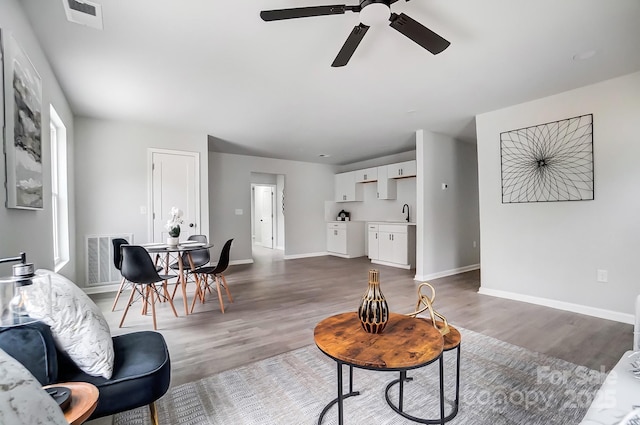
<point>308,186</point>
<point>447,220</point>
<point>112,178</point>
<point>23,230</point>
<point>549,252</point>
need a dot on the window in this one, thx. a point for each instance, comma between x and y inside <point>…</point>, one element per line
<point>59,199</point>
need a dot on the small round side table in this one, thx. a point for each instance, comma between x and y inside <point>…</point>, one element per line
<point>84,399</point>
<point>452,341</point>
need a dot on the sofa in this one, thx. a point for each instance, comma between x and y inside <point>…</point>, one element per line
<point>620,391</point>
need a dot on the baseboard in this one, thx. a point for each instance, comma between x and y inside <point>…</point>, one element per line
<point>561,305</point>
<point>238,262</point>
<point>396,265</point>
<point>101,289</point>
<point>307,255</point>
<point>446,273</point>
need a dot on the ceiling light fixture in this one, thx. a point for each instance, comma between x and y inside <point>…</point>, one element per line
<point>587,54</point>
<point>375,12</point>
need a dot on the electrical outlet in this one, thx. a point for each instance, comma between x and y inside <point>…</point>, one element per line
<point>475,244</point>
<point>603,276</point>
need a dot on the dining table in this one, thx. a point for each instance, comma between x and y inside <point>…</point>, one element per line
<point>166,253</point>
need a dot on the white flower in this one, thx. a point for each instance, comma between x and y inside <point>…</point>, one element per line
<point>173,224</point>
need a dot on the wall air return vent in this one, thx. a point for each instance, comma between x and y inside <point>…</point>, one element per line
<point>83,12</point>
<point>99,255</point>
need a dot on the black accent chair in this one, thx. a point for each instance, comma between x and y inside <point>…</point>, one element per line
<point>141,373</point>
<point>138,268</point>
<point>216,272</point>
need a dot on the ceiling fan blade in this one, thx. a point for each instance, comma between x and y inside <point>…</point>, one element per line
<point>303,12</point>
<point>418,33</point>
<point>350,45</point>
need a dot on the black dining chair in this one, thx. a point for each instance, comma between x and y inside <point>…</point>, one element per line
<point>138,268</point>
<point>216,273</point>
<point>117,262</point>
<point>199,257</point>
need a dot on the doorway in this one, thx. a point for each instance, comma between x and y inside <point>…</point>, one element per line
<point>174,181</point>
<point>264,212</point>
<point>267,216</point>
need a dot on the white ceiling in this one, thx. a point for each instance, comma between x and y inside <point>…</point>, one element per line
<point>267,88</point>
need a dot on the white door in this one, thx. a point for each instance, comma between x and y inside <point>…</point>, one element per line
<point>264,213</point>
<point>175,182</point>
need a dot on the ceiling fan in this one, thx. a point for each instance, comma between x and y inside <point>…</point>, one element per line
<point>371,12</point>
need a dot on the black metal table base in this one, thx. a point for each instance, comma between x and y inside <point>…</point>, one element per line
<point>400,408</point>
<point>341,395</point>
<point>404,378</point>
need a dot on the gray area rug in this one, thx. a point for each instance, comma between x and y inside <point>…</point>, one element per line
<point>500,384</point>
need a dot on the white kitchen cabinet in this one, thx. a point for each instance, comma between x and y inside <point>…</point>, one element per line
<point>372,234</point>
<point>346,189</point>
<point>345,239</point>
<point>387,188</point>
<point>402,169</point>
<point>393,244</point>
<point>366,175</point>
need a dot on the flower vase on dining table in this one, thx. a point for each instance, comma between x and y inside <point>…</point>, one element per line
<point>173,226</point>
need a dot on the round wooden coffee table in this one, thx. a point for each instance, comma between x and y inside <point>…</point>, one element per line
<point>84,399</point>
<point>406,343</point>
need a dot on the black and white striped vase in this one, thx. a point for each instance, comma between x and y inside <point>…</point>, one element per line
<point>373,311</point>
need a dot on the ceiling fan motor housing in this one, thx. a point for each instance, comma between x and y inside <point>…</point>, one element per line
<point>365,3</point>
<point>375,12</point>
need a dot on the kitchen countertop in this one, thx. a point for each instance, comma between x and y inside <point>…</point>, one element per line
<point>393,222</point>
<point>374,222</point>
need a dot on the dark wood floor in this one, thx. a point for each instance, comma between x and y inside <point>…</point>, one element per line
<point>278,303</point>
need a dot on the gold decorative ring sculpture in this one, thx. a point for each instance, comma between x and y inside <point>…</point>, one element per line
<point>425,303</point>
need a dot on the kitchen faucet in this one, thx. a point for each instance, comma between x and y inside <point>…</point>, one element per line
<point>403,207</point>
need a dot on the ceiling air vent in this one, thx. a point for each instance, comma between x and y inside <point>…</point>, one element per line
<point>84,13</point>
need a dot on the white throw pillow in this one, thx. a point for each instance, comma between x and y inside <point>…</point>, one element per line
<point>77,324</point>
<point>22,399</point>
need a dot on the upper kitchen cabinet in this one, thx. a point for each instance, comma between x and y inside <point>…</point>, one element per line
<point>387,188</point>
<point>346,189</point>
<point>402,169</point>
<point>366,175</point>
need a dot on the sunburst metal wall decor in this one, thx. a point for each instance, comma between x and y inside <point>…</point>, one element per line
<point>548,162</point>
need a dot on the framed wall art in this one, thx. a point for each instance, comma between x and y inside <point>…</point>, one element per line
<point>548,162</point>
<point>22,127</point>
